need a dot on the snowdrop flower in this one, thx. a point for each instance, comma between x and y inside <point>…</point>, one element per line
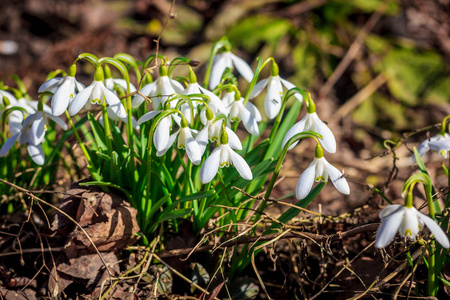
<point>440,146</point>
<point>408,221</point>
<point>115,117</point>
<point>161,137</point>
<point>111,82</point>
<point>424,147</point>
<point>185,141</point>
<point>211,131</point>
<point>97,93</point>
<point>273,99</point>
<point>224,156</point>
<point>311,122</point>
<point>159,90</point>
<point>319,170</point>
<point>64,90</point>
<point>249,114</point>
<point>228,60</point>
<point>32,133</point>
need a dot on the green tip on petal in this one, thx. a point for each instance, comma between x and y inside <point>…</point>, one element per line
<point>72,70</point>
<point>209,114</point>
<point>318,153</point>
<point>224,137</point>
<point>162,71</point>
<point>274,70</point>
<point>107,72</point>
<point>192,76</point>
<point>99,74</point>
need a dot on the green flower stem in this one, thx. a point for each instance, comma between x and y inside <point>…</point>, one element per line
<point>295,138</point>
<point>90,164</point>
<point>259,67</point>
<point>107,129</point>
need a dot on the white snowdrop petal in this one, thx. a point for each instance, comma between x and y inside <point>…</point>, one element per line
<point>62,97</point>
<point>210,167</point>
<point>241,165</point>
<point>306,181</point>
<point>338,180</point>
<point>249,121</point>
<point>58,121</point>
<point>259,87</point>
<point>36,134</point>
<point>328,141</point>
<point>242,67</point>
<point>50,85</point>
<point>297,128</point>
<point>148,116</point>
<point>202,140</point>
<point>162,134</point>
<point>37,154</point>
<point>219,66</point>
<point>272,102</point>
<point>172,139</point>
<point>288,85</point>
<point>80,100</point>
<point>9,144</point>
<point>438,146</point>
<point>439,234</point>
<point>192,149</point>
<point>388,228</point>
<point>254,111</point>
<point>388,210</point>
<point>114,102</point>
<point>146,90</point>
<point>233,139</point>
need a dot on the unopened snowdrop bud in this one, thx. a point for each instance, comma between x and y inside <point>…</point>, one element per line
<point>319,170</point>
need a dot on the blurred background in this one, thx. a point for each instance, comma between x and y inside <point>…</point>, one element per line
<point>376,69</point>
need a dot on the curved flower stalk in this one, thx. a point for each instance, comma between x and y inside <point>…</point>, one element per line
<point>408,221</point>
<point>224,156</point>
<point>274,95</point>
<point>319,170</point>
<point>311,122</point>
<point>97,93</point>
<point>159,90</point>
<point>32,133</point>
<point>64,90</point>
<point>228,60</point>
<point>249,114</point>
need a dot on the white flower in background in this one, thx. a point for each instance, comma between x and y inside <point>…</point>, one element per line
<point>97,93</point>
<point>274,95</point>
<point>319,170</point>
<point>224,156</point>
<point>441,146</point>
<point>228,60</point>
<point>424,147</point>
<point>249,114</point>
<point>32,133</point>
<point>159,90</point>
<point>114,117</point>
<point>408,221</point>
<point>64,90</point>
<point>311,122</point>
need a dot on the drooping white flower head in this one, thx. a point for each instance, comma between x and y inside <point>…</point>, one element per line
<point>64,90</point>
<point>274,95</point>
<point>224,156</point>
<point>311,122</point>
<point>159,90</point>
<point>408,221</point>
<point>32,133</point>
<point>249,114</point>
<point>424,147</point>
<point>228,60</point>
<point>97,93</point>
<point>319,170</point>
<point>440,146</point>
